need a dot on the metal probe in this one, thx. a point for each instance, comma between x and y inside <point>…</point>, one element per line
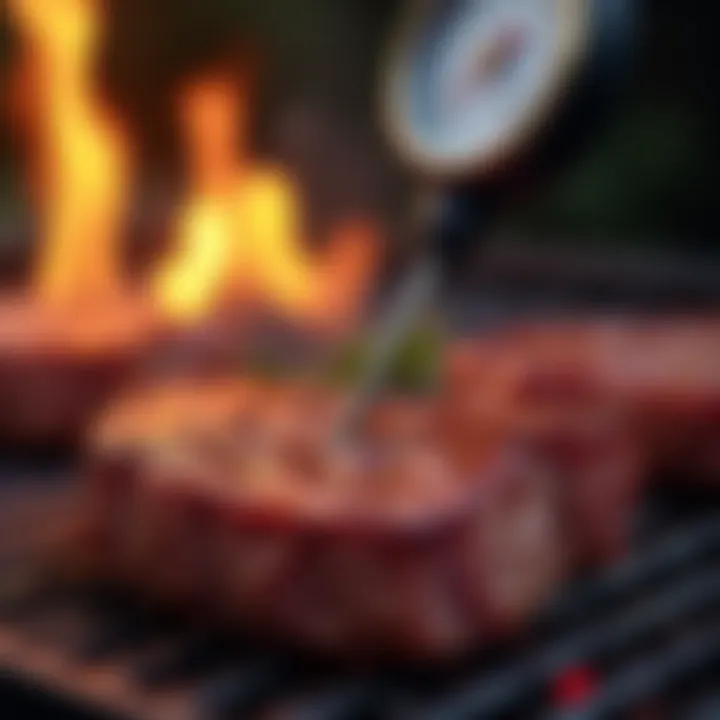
<point>453,223</point>
<point>481,99</point>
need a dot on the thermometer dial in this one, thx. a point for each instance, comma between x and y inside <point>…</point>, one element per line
<point>472,82</point>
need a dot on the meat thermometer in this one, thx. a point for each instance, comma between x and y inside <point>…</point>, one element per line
<point>476,95</point>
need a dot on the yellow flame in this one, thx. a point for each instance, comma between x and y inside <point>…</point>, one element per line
<point>83,156</point>
<point>239,233</point>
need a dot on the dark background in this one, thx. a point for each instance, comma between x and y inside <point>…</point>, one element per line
<point>650,178</point>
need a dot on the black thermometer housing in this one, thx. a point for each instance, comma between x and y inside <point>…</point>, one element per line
<point>482,92</point>
<point>477,96</point>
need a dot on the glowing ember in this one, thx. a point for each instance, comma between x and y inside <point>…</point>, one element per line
<point>239,237</point>
<point>83,157</point>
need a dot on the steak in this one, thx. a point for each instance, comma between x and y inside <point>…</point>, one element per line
<point>583,436</point>
<point>664,373</point>
<point>57,371</point>
<point>446,521</point>
<point>242,506</point>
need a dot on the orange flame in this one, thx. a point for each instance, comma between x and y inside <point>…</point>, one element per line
<point>239,233</point>
<point>83,157</point>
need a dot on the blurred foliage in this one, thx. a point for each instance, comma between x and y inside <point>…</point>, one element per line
<point>632,183</point>
<point>653,174</point>
<point>415,368</point>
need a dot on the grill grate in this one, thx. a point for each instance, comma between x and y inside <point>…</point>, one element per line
<point>644,631</point>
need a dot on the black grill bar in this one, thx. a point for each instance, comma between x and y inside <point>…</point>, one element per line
<point>349,699</point>
<point>179,659</point>
<point>241,689</point>
<point>644,628</point>
<point>116,633</point>
<point>518,686</point>
<point>651,677</point>
<point>671,554</point>
<point>706,708</point>
<point>693,595</point>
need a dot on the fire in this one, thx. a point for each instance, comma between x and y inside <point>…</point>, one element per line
<point>237,238</point>
<point>83,157</point>
<point>239,234</point>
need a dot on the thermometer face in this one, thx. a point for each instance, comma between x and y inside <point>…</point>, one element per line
<point>472,80</point>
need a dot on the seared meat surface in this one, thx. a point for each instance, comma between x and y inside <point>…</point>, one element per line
<point>233,499</point>
<point>58,369</point>
<point>447,520</point>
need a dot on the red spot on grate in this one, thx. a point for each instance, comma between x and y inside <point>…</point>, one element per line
<point>575,686</point>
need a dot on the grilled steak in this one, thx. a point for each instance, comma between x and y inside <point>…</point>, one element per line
<point>585,438</point>
<point>664,373</point>
<point>446,521</point>
<point>389,544</point>
<point>56,371</point>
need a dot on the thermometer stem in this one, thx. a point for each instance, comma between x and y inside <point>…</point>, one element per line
<point>455,228</point>
<point>413,298</point>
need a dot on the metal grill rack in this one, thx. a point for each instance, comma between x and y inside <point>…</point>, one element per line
<point>642,636</point>
<point>638,640</point>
